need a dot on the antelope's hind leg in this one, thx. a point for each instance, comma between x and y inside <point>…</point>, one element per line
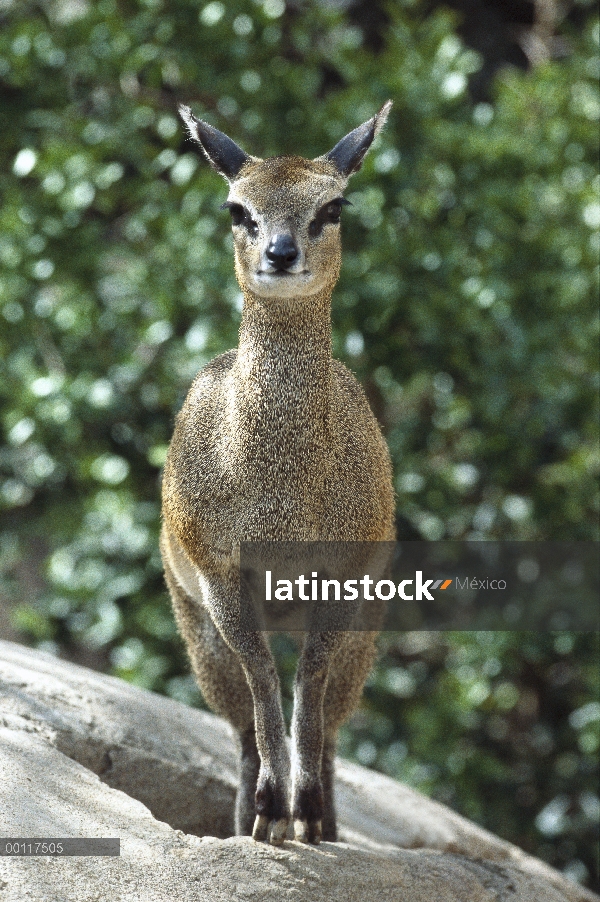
<point>332,669</point>
<point>349,670</point>
<point>225,689</point>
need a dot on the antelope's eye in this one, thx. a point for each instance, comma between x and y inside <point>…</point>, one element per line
<point>333,211</point>
<point>241,217</point>
<point>237,213</point>
<point>329,213</point>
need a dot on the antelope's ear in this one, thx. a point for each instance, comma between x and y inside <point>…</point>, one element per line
<point>348,154</point>
<point>222,153</point>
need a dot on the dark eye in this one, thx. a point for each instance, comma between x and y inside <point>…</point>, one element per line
<point>331,213</point>
<point>240,216</point>
<point>237,214</point>
<point>236,211</point>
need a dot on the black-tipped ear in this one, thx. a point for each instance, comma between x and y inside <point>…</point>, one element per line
<point>223,154</point>
<point>348,154</point>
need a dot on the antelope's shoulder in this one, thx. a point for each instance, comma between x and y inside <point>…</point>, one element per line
<point>210,378</point>
<point>359,433</point>
<point>198,423</point>
<point>196,480</point>
<point>205,395</point>
<point>349,388</point>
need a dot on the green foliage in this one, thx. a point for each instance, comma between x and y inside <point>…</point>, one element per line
<point>499,726</point>
<point>466,306</point>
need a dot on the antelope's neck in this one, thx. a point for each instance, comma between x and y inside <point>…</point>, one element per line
<point>284,372</point>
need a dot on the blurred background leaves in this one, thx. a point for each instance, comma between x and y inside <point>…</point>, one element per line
<point>467,306</point>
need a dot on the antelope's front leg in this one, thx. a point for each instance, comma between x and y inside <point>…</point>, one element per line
<point>272,807</point>
<point>254,654</point>
<point>308,734</point>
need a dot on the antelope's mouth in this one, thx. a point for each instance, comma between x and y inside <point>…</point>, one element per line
<point>281,273</point>
<point>284,283</point>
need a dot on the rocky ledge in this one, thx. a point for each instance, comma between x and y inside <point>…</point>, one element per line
<point>87,755</point>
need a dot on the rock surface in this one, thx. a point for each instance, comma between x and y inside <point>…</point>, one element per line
<point>83,754</point>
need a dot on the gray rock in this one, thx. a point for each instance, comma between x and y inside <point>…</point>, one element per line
<point>83,754</point>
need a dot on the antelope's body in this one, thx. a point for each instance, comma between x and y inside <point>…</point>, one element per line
<point>276,441</point>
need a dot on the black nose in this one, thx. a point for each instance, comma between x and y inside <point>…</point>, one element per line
<point>282,251</point>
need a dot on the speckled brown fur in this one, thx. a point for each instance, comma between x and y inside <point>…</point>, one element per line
<point>275,441</point>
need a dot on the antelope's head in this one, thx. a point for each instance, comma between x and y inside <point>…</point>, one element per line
<point>285,211</point>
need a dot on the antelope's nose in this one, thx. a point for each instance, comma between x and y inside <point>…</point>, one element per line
<point>282,251</point>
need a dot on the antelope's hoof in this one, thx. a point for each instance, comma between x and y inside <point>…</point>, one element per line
<point>308,831</point>
<point>266,830</point>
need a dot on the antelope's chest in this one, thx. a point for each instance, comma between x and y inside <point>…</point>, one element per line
<point>280,490</point>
